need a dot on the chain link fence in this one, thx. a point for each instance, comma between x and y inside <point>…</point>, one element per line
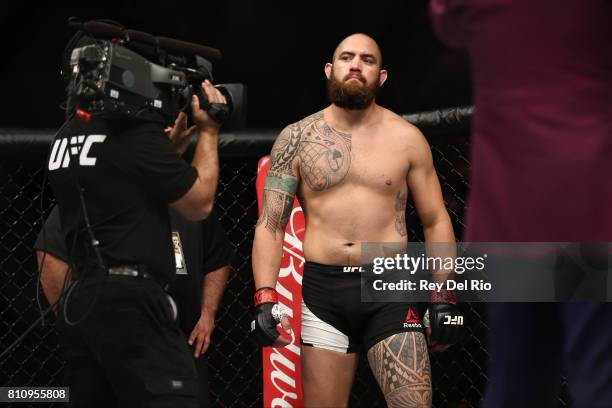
<point>235,360</point>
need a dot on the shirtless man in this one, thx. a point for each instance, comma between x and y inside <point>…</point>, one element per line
<point>352,167</point>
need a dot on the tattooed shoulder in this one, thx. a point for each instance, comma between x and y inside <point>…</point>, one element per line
<point>285,149</point>
<point>324,159</point>
<point>324,153</point>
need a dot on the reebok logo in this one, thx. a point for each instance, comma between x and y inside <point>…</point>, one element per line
<point>411,317</point>
<point>80,145</point>
<point>412,320</point>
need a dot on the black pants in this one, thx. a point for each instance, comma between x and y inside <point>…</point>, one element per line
<point>201,364</point>
<point>530,344</point>
<point>128,351</point>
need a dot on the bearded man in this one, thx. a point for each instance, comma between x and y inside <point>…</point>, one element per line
<point>352,166</point>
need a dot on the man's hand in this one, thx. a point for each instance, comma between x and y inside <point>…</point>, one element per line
<point>179,134</point>
<point>267,318</point>
<point>200,117</point>
<point>444,326</point>
<point>54,276</point>
<point>200,335</point>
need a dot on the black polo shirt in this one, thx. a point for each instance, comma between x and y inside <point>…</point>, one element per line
<point>128,172</point>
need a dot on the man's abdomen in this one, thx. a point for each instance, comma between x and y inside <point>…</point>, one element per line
<point>336,230</point>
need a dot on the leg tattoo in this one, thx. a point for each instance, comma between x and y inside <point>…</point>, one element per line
<point>400,364</point>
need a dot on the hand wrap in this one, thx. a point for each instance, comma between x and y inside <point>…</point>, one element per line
<point>267,314</point>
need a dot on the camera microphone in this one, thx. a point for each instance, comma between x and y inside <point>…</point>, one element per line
<point>172,46</point>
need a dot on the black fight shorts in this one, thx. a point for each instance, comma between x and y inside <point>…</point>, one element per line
<point>335,318</point>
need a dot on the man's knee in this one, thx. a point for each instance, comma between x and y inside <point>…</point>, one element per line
<point>327,376</point>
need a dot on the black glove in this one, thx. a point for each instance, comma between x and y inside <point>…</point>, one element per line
<point>267,316</point>
<point>446,322</point>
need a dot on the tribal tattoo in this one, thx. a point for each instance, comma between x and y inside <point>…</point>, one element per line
<point>281,182</point>
<point>324,159</point>
<point>400,209</point>
<point>325,155</point>
<point>400,364</point>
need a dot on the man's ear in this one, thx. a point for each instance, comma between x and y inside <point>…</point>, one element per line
<point>383,77</point>
<point>328,69</point>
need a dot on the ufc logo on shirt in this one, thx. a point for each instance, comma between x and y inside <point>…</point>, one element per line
<point>80,145</point>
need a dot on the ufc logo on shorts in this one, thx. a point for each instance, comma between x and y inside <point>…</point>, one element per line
<point>453,320</point>
<point>353,269</point>
<point>77,145</point>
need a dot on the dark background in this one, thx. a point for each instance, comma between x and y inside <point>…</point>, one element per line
<point>277,49</point>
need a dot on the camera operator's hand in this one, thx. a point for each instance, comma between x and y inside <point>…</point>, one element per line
<point>200,117</point>
<point>179,134</point>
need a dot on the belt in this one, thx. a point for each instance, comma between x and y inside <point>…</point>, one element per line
<point>134,271</point>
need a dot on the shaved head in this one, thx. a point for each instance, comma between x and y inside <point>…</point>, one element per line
<point>359,42</point>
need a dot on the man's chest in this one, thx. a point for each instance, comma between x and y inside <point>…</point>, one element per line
<point>361,160</point>
<point>377,165</point>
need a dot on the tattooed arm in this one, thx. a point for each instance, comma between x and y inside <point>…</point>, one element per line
<point>279,192</point>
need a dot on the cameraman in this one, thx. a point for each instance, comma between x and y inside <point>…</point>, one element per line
<point>113,182</point>
<point>203,254</point>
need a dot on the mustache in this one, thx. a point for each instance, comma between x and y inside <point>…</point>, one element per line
<point>358,76</point>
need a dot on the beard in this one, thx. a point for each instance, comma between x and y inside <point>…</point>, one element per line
<point>354,95</point>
